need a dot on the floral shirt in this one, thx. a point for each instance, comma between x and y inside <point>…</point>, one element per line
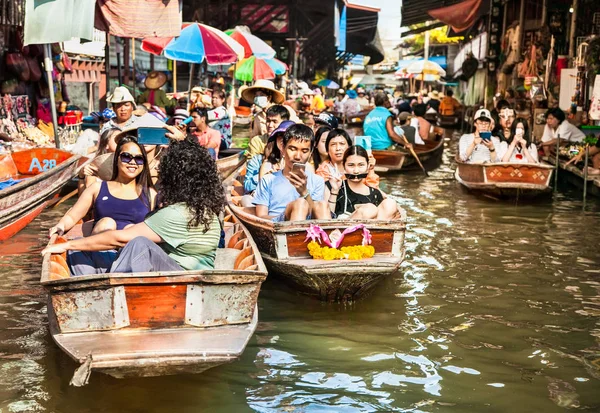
<point>218,119</point>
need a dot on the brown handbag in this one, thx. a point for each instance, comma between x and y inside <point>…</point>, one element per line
<point>35,72</point>
<point>16,63</point>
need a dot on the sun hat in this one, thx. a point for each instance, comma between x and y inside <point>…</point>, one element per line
<point>104,165</point>
<point>341,92</point>
<point>262,84</point>
<point>283,126</point>
<point>352,94</point>
<point>483,114</point>
<point>327,119</point>
<point>241,90</point>
<point>361,90</point>
<point>434,95</point>
<point>180,114</point>
<point>317,91</point>
<point>155,80</point>
<point>120,95</point>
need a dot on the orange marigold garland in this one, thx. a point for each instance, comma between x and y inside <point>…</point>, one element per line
<point>331,251</point>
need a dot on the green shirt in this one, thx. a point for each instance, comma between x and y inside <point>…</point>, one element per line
<point>190,247</point>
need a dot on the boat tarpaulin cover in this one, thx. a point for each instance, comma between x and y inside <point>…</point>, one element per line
<point>139,18</point>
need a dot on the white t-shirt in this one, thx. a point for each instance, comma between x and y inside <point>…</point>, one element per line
<point>565,130</point>
<point>481,153</point>
<point>414,122</point>
<point>514,158</point>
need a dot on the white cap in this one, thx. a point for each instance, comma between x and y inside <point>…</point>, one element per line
<point>483,113</point>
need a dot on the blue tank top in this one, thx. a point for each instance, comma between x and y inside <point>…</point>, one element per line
<point>123,211</point>
<point>374,126</point>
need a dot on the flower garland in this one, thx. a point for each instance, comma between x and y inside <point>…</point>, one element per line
<point>333,241</point>
<point>357,252</point>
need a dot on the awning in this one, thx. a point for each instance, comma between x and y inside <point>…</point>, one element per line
<point>361,32</point>
<point>415,11</point>
<point>460,16</point>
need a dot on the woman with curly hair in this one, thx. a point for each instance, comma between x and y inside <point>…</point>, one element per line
<point>183,234</point>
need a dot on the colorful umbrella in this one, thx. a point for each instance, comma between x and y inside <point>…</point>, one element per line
<point>195,43</point>
<point>329,84</point>
<point>255,68</point>
<point>253,46</point>
<point>425,67</point>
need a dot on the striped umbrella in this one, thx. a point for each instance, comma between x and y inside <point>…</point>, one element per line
<point>255,68</point>
<point>253,46</point>
<point>195,43</point>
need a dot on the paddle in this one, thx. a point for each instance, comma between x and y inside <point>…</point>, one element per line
<point>412,151</point>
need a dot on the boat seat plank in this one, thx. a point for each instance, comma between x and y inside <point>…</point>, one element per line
<point>225,258</point>
<point>135,344</point>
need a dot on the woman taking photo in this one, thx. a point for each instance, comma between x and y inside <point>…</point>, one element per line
<point>520,148</point>
<point>352,197</point>
<point>320,154</point>
<point>123,201</point>
<point>182,235</point>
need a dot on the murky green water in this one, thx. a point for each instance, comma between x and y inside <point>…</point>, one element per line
<point>496,309</point>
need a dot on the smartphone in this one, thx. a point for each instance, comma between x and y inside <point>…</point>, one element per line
<point>364,141</point>
<point>296,167</point>
<point>486,136</point>
<point>152,136</point>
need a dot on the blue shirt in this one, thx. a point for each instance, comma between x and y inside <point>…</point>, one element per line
<point>374,127</point>
<point>252,170</point>
<point>276,192</point>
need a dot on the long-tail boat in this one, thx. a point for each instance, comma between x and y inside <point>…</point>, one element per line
<point>397,160</point>
<point>156,323</point>
<point>505,179</point>
<point>230,160</point>
<point>29,179</point>
<point>284,247</point>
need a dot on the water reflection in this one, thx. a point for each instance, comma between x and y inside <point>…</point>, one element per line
<point>496,308</point>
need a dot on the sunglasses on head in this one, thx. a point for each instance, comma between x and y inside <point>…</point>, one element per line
<point>126,157</point>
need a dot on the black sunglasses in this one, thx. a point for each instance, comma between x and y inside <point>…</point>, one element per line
<point>126,157</point>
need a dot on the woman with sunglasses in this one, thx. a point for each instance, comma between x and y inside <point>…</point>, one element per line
<point>183,234</point>
<point>123,201</point>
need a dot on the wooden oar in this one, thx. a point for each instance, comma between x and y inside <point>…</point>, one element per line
<point>418,161</point>
<point>56,202</point>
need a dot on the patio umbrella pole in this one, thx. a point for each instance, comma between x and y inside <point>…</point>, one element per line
<point>190,83</point>
<point>48,68</point>
<point>133,64</point>
<point>174,76</point>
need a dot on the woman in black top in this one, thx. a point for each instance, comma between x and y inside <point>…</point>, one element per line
<point>351,197</point>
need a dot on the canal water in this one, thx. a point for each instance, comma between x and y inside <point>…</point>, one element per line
<point>496,309</point>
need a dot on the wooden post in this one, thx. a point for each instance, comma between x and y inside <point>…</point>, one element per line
<point>585,171</point>
<point>557,163</point>
<point>520,40</point>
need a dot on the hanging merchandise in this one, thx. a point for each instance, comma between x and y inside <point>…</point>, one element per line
<point>469,66</point>
<point>16,63</point>
<point>510,45</point>
<point>35,71</point>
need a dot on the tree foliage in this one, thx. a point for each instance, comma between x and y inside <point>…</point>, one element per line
<point>436,36</point>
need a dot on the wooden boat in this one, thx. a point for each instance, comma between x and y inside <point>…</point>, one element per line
<point>505,179</point>
<point>43,173</point>
<point>396,160</point>
<point>575,176</point>
<point>449,121</point>
<point>159,323</point>
<point>284,248</point>
<point>229,160</point>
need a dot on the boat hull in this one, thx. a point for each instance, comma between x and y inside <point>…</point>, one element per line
<point>504,179</point>
<point>157,323</point>
<point>230,163</point>
<point>284,249</point>
<point>395,160</point>
<point>21,203</point>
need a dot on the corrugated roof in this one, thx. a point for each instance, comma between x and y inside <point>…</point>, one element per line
<point>415,11</point>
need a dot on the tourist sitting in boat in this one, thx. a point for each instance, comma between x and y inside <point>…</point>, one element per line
<point>267,162</point>
<point>218,118</point>
<point>293,193</point>
<point>320,154</point>
<point>275,115</point>
<point>558,127</point>
<point>351,106</point>
<point>504,122</point>
<point>449,106</point>
<point>363,100</point>
<point>422,125</point>
<point>379,126</point>
<point>404,129</point>
<point>182,235</point>
<point>318,104</point>
<point>123,105</point>
<point>480,146</point>
<point>264,95</point>
<point>338,104</point>
<point>351,196</point>
<point>520,148</point>
<point>123,201</point>
<point>208,137</point>
<point>337,143</point>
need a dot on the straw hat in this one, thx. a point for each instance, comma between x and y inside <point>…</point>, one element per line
<point>121,94</point>
<point>104,164</point>
<point>155,80</point>
<point>241,90</point>
<point>263,84</point>
<point>434,95</point>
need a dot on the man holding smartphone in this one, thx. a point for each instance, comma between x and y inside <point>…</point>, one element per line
<point>480,147</point>
<point>293,193</point>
